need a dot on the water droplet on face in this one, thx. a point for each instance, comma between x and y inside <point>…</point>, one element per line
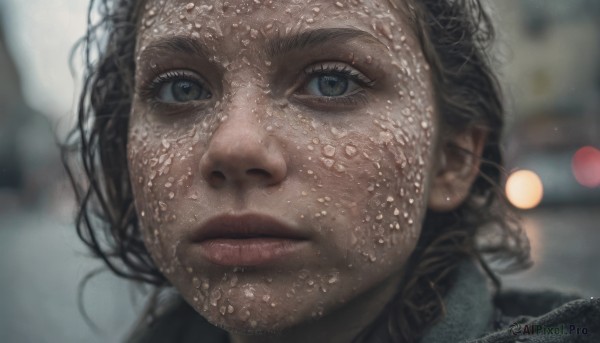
<point>339,4</point>
<point>222,310</point>
<point>328,150</point>
<point>171,195</point>
<point>390,198</point>
<point>396,211</point>
<point>424,124</point>
<point>230,309</point>
<point>340,168</point>
<point>316,9</point>
<point>244,315</point>
<point>162,205</point>
<point>234,280</point>
<point>215,295</point>
<point>379,217</point>
<point>328,162</point>
<point>249,293</point>
<point>253,33</point>
<point>351,151</point>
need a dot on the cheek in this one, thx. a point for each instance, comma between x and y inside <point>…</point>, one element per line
<point>161,169</point>
<point>368,193</point>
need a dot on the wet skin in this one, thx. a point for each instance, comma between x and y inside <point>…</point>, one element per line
<point>317,114</point>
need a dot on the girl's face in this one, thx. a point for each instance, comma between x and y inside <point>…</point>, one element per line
<point>280,153</point>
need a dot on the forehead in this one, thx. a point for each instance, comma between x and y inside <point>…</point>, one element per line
<point>218,20</point>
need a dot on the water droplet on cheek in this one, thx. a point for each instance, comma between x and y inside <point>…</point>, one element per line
<point>328,150</point>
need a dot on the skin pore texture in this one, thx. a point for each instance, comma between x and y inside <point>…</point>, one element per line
<point>229,117</point>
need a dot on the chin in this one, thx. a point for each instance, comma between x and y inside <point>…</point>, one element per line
<point>265,323</point>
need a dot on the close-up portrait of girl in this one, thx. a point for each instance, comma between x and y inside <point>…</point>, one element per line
<point>304,171</point>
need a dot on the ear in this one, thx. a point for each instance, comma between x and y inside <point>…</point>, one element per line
<point>456,168</point>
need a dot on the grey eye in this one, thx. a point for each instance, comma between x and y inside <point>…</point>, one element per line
<point>330,85</point>
<point>182,90</point>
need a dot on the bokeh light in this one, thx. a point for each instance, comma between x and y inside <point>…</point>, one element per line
<point>586,166</point>
<point>524,189</point>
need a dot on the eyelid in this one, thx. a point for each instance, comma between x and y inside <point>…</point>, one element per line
<point>341,68</point>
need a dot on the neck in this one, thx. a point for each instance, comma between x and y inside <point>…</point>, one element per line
<point>342,325</point>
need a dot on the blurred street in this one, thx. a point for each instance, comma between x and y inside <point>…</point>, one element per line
<point>564,248</point>
<point>42,262</point>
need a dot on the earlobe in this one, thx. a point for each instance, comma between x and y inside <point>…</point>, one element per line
<point>457,167</point>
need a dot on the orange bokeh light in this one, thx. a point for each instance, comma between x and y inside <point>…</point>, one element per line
<point>586,166</point>
<point>524,189</point>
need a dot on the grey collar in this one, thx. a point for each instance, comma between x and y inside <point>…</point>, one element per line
<point>469,309</point>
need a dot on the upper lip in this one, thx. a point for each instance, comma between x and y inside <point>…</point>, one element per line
<point>245,226</point>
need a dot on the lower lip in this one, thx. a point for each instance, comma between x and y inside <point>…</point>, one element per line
<point>248,251</point>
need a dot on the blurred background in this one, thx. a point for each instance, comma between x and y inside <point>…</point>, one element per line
<point>549,53</point>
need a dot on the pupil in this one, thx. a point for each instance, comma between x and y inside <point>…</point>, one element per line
<point>331,85</point>
<point>186,91</point>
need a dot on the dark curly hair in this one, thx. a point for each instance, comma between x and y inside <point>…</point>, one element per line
<point>454,35</point>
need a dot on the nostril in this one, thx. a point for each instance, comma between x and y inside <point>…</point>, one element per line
<point>217,178</point>
<point>258,172</point>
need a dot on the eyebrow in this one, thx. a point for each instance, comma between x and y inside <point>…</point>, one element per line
<point>277,46</point>
<point>309,39</point>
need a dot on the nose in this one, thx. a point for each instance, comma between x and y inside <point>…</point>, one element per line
<point>241,154</point>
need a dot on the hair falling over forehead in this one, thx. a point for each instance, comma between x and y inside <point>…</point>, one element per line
<point>454,36</point>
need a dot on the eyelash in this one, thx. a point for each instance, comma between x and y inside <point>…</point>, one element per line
<point>149,90</point>
<point>339,69</point>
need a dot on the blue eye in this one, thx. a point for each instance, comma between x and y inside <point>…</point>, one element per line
<point>179,87</point>
<point>329,85</point>
<point>333,80</point>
